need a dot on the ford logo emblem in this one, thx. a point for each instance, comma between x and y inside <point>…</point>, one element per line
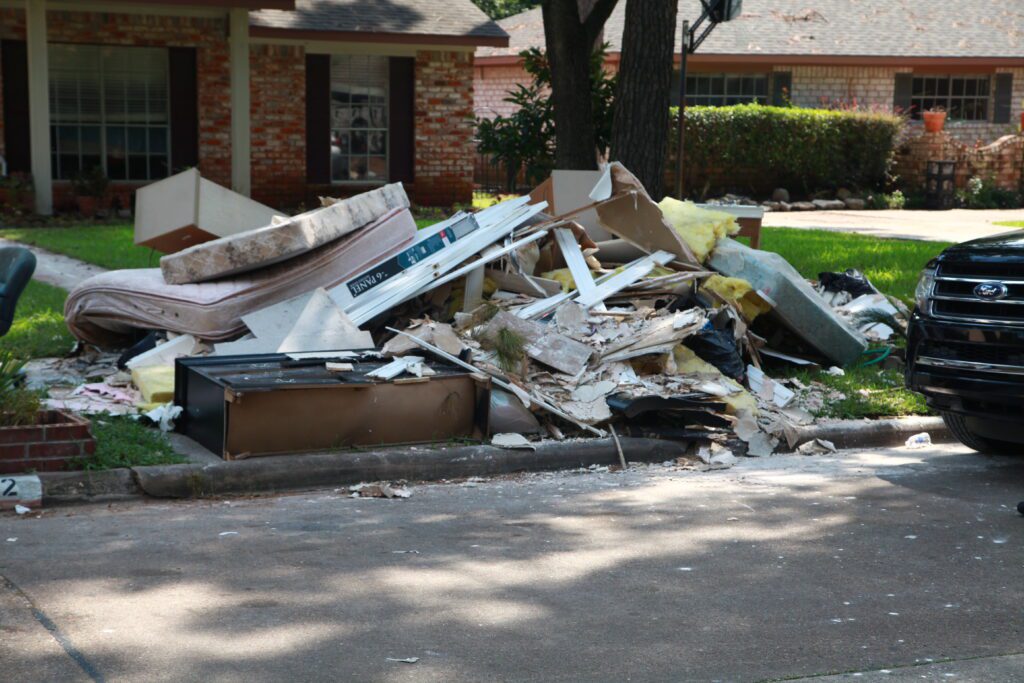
<point>991,291</point>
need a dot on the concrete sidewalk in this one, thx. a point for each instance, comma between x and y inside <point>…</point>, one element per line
<point>57,269</point>
<point>958,225</point>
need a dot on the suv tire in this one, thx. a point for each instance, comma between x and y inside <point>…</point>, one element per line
<point>958,425</point>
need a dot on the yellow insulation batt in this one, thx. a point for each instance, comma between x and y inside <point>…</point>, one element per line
<point>156,383</point>
<point>700,228</point>
<point>687,363</point>
<point>739,293</point>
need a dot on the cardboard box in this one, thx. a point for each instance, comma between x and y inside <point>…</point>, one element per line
<point>186,209</point>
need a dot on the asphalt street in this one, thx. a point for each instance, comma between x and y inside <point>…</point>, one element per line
<point>877,565</point>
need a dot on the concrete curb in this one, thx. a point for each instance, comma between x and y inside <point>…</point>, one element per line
<point>293,472</point>
<point>874,433</point>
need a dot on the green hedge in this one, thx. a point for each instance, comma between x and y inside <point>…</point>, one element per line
<point>752,148</point>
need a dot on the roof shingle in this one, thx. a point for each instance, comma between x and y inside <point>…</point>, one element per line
<point>456,18</point>
<point>855,28</point>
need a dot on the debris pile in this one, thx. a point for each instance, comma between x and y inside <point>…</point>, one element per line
<point>346,325</point>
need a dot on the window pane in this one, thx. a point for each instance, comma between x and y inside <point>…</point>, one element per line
<point>136,140</point>
<point>137,168</point>
<point>359,117</point>
<point>158,167</point>
<point>158,141</point>
<point>67,140</point>
<point>943,87</point>
<point>958,87</point>
<point>718,85</point>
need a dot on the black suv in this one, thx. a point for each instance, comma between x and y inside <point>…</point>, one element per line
<point>965,350</point>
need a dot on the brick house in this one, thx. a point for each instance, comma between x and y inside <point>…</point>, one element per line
<point>279,99</point>
<point>964,55</point>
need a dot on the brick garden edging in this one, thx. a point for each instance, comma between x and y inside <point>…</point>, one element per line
<point>46,446</point>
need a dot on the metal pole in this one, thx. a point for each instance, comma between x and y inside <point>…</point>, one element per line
<point>684,50</point>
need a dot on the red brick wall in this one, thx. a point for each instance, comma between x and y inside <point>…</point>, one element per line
<point>46,447</point>
<point>206,34</point>
<point>1000,162</point>
<point>444,128</point>
<point>278,125</point>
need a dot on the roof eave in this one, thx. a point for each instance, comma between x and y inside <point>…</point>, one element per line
<point>379,37</point>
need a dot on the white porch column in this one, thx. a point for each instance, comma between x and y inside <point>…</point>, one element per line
<point>241,173</point>
<point>39,104</point>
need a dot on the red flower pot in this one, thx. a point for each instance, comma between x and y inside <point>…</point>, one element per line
<point>934,121</point>
<point>87,206</point>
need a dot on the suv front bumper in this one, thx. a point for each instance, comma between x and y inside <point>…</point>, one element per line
<point>968,368</point>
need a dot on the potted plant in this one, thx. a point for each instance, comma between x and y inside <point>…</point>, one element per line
<point>90,188</point>
<point>934,120</point>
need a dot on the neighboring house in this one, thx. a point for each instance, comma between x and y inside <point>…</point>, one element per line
<point>964,55</point>
<point>280,99</point>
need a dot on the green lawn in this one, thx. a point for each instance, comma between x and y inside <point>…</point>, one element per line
<point>109,246</point>
<point>39,328</point>
<point>1011,224</point>
<point>892,266</point>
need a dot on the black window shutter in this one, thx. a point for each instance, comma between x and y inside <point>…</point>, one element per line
<point>184,95</point>
<point>1003,99</point>
<point>902,91</point>
<point>318,118</point>
<point>401,128</point>
<point>782,88</point>
<point>14,58</point>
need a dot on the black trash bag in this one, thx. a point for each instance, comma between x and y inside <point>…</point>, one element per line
<point>852,281</point>
<point>718,347</point>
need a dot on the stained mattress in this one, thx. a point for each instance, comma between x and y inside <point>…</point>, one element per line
<point>108,309</point>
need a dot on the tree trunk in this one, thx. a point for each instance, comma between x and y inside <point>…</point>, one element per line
<point>569,43</point>
<point>640,129</point>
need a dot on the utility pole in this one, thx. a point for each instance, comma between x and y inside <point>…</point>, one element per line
<point>714,12</point>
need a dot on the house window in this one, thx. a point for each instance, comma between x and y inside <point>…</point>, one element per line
<point>359,118</point>
<point>965,98</point>
<point>109,108</point>
<point>717,90</point>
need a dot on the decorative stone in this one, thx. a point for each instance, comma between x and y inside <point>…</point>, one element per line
<point>780,194</point>
<point>843,194</point>
<point>828,204</point>
<point>803,206</point>
<point>855,204</point>
<point>770,206</point>
<point>785,206</point>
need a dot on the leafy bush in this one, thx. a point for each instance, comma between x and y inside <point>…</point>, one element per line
<point>526,139</point>
<point>882,201</point>
<point>754,148</point>
<point>18,405</point>
<point>983,194</point>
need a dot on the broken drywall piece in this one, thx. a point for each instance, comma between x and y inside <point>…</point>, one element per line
<point>277,242</point>
<point>542,343</point>
<point>186,209</point>
<point>440,335</point>
<point>768,389</point>
<point>323,326</point>
<point>631,214</point>
<point>512,441</point>
<point>530,285</point>
<point>817,447</point>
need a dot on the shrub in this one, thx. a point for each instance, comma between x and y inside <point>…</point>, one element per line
<point>754,148</point>
<point>18,405</point>
<point>983,194</point>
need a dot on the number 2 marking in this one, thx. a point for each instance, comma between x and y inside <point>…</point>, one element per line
<point>10,490</point>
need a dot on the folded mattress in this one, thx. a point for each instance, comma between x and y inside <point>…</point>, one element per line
<point>281,240</point>
<point>108,309</point>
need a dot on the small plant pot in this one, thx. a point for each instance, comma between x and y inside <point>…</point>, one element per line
<point>1022,123</point>
<point>87,206</point>
<point>934,121</point>
<point>46,446</point>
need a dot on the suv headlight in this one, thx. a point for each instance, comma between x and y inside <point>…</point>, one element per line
<point>923,293</point>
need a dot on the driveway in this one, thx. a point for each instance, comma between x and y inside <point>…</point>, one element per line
<point>957,225</point>
<point>896,564</point>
